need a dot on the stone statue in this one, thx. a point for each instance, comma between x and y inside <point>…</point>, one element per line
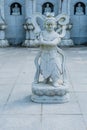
<point>50,62</point>
<point>3,40</point>
<point>47,9</point>
<point>16,10</point>
<point>79,9</point>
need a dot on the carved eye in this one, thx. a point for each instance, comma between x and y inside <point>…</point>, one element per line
<point>50,24</point>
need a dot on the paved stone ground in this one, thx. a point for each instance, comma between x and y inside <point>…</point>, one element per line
<point>17,112</point>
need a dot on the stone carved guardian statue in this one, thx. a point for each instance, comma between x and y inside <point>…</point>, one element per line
<point>50,62</point>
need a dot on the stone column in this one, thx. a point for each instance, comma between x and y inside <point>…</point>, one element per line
<point>64,6</point>
<point>30,6</point>
<point>67,41</point>
<point>69,3</point>
<point>34,5</point>
<point>2,8</point>
<point>86,9</point>
<point>3,40</point>
<point>60,7</point>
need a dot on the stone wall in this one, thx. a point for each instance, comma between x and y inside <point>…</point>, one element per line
<point>15,32</point>
<point>55,3</point>
<point>79,30</point>
<point>2,7</point>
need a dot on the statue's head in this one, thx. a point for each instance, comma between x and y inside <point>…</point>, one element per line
<point>16,5</point>
<point>50,22</point>
<point>47,5</point>
<point>79,4</point>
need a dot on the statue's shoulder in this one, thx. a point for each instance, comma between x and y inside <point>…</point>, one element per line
<point>43,33</point>
<point>55,34</point>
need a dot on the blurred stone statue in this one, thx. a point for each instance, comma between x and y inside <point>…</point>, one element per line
<point>47,9</point>
<point>3,40</point>
<point>16,10</point>
<point>79,9</point>
<point>50,61</point>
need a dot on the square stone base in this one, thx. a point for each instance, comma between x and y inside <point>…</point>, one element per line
<point>46,93</point>
<point>50,99</point>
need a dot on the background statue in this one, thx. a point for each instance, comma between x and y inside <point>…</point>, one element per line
<point>47,9</point>
<point>79,9</point>
<point>16,10</point>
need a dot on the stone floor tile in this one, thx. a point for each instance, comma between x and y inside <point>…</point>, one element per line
<point>5,91</point>
<point>17,112</point>
<point>80,87</point>
<point>20,123</point>
<point>8,81</point>
<point>22,106</point>
<point>72,107</point>
<point>63,122</point>
<point>20,101</point>
<point>8,75</point>
<point>82,99</point>
<point>85,119</point>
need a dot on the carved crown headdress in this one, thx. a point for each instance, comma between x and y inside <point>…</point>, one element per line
<point>62,19</point>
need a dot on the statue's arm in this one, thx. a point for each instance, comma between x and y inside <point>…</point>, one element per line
<point>49,42</point>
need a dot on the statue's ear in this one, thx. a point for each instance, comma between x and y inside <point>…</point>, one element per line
<point>62,19</point>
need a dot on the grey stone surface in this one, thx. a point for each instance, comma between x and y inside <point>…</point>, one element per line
<point>85,119</point>
<point>72,107</point>
<point>82,101</point>
<point>17,112</point>
<point>20,123</point>
<point>63,122</point>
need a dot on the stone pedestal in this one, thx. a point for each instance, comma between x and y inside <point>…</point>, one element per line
<point>3,40</point>
<point>29,28</point>
<point>67,41</point>
<point>4,43</point>
<point>47,93</point>
<point>28,43</point>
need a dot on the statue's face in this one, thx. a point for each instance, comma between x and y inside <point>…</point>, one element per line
<point>50,26</point>
<point>47,5</point>
<point>79,4</point>
<point>16,5</point>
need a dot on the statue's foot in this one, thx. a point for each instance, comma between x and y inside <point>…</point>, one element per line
<point>57,83</point>
<point>60,81</point>
<point>36,82</point>
<point>46,80</point>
